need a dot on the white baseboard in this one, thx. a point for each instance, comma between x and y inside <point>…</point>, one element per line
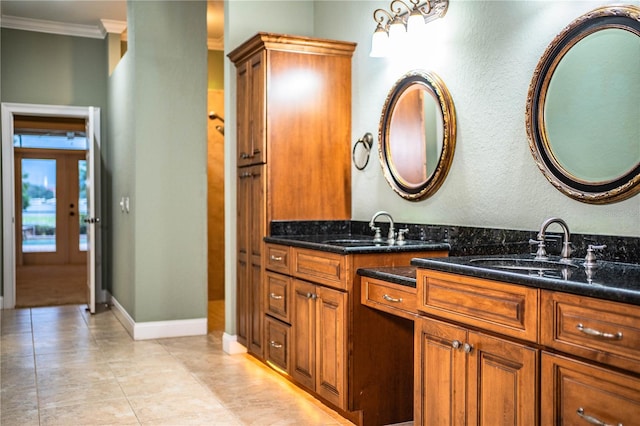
<point>231,346</point>
<point>159,329</point>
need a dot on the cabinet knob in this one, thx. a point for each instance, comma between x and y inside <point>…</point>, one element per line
<point>456,344</point>
<point>467,348</point>
<point>312,296</point>
<point>593,420</point>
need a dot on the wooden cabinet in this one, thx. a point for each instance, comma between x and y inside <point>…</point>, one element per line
<point>251,226</point>
<point>338,348</point>
<point>393,298</point>
<point>599,330</point>
<point>480,359</point>
<point>464,376</point>
<point>319,342</point>
<point>293,117</point>
<point>577,393</point>
<point>250,106</point>
<point>602,386</point>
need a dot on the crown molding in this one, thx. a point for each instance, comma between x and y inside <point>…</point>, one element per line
<point>113,26</point>
<point>53,27</point>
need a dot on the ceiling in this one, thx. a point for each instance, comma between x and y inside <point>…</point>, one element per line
<point>89,18</point>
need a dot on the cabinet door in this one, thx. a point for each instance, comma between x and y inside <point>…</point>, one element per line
<point>243,91</point>
<point>257,107</point>
<point>331,345</point>
<point>250,76</point>
<point>276,338</point>
<point>243,269</point>
<point>250,228</point>
<point>257,226</point>
<point>576,393</point>
<point>277,299</point>
<point>303,331</point>
<point>440,373</point>
<point>501,385</point>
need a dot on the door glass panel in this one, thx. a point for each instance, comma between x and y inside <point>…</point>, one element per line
<point>82,203</point>
<point>38,205</point>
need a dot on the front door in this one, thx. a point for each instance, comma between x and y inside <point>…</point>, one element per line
<point>51,205</point>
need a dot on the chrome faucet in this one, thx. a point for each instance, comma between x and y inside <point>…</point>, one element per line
<point>391,237</point>
<point>566,243</point>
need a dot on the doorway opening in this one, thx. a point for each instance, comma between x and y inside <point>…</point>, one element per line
<point>51,235</point>
<point>215,212</point>
<point>49,194</point>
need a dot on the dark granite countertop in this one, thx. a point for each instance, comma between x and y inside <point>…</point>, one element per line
<point>403,275</point>
<point>354,244</point>
<point>614,281</point>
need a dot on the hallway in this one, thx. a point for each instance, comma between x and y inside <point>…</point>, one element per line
<point>62,366</point>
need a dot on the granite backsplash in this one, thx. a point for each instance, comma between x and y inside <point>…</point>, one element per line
<point>471,241</point>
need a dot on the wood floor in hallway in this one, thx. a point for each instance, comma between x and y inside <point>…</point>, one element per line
<point>50,285</point>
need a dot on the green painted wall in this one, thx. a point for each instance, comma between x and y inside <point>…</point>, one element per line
<point>53,69</point>
<point>165,277</point>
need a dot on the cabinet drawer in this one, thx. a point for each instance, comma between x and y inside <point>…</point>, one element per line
<point>320,267</point>
<point>277,343</point>
<point>511,310</point>
<point>604,331</point>
<point>278,296</point>
<point>277,258</point>
<point>389,297</point>
<point>578,393</point>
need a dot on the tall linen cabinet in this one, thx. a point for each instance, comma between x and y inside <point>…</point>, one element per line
<point>293,150</point>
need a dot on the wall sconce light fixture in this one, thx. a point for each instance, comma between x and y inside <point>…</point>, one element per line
<point>398,24</point>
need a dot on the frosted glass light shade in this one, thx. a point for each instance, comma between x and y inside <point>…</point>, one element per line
<point>415,23</point>
<point>379,43</point>
<point>397,32</point>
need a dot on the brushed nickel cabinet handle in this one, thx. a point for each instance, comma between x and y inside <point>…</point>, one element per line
<point>391,299</point>
<point>467,348</point>
<point>275,344</point>
<point>275,296</point>
<point>456,344</point>
<point>276,258</point>
<point>595,333</point>
<point>593,420</point>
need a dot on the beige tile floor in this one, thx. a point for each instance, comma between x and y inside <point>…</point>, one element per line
<point>62,366</point>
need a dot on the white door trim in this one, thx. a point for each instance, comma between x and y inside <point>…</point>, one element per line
<point>8,110</point>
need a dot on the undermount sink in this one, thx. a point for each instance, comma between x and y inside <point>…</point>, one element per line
<point>523,264</point>
<point>350,242</point>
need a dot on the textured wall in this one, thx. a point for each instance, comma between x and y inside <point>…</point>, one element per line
<point>486,52</point>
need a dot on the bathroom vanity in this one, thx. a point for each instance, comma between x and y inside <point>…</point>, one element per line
<point>511,340</point>
<point>321,337</point>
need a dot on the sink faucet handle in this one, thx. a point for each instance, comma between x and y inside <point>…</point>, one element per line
<point>377,237</point>
<point>590,258</point>
<point>391,236</point>
<point>542,252</point>
<point>401,233</point>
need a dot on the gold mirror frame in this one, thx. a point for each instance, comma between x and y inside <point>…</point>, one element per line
<point>431,83</point>
<point>623,186</point>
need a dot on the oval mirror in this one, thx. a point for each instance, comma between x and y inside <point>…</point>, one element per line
<point>417,135</point>
<point>583,108</point>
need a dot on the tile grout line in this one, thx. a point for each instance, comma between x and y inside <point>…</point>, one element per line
<point>35,365</point>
